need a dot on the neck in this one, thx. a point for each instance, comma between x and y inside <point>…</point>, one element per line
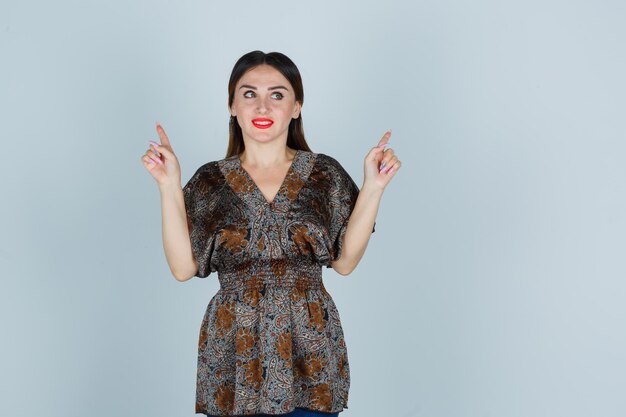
<point>267,155</point>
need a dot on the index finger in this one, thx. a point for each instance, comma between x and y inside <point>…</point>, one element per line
<point>383,141</point>
<point>164,139</point>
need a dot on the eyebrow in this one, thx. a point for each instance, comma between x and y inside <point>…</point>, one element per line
<point>270,88</point>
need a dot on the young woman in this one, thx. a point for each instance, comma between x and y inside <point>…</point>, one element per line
<point>267,218</point>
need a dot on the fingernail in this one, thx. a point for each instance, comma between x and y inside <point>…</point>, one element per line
<point>158,157</point>
<point>157,153</point>
<point>390,171</point>
<point>382,165</point>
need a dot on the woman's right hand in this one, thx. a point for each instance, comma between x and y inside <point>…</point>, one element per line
<point>161,161</point>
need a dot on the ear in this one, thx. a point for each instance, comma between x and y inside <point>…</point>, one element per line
<point>232,111</point>
<point>297,110</point>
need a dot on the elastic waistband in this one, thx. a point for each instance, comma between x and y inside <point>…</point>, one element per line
<point>258,273</point>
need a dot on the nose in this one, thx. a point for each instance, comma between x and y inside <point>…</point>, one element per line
<point>263,105</point>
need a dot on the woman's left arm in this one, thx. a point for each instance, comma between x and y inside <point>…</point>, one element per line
<point>380,166</point>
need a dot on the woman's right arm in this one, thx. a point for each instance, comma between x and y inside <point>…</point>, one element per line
<point>163,165</point>
<point>176,239</point>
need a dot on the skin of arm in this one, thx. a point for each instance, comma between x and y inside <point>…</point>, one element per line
<point>163,165</point>
<point>381,165</point>
<point>359,229</point>
<point>176,238</point>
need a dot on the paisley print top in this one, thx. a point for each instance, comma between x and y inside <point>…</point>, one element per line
<point>271,338</point>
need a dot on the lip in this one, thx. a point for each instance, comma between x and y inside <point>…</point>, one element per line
<point>262,119</point>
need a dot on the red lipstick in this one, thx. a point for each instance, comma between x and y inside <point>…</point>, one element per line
<point>262,122</point>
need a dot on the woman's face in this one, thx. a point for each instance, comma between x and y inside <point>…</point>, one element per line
<point>264,104</point>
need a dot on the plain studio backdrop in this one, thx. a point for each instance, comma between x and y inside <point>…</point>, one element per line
<point>494,284</point>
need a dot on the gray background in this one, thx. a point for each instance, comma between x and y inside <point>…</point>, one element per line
<point>493,285</point>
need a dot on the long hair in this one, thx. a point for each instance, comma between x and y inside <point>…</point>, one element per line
<point>295,137</point>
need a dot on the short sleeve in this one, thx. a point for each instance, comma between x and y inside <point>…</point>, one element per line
<point>197,195</point>
<point>342,196</point>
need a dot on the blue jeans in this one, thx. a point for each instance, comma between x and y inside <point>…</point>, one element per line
<point>298,412</point>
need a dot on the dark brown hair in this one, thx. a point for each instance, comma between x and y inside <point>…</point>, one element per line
<point>295,137</point>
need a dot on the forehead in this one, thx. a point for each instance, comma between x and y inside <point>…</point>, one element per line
<point>264,75</point>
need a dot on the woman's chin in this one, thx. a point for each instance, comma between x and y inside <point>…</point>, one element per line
<point>263,136</point>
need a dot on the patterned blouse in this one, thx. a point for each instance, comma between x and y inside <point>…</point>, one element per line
<point>271,339</point>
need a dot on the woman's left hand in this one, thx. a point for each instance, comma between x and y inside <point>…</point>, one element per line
<point>381,164</point>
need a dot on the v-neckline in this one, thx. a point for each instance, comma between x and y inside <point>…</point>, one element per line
<point>282,184</point>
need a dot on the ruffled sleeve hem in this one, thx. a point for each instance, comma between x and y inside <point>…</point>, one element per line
<point>337,248</point>
<point>341,199</point>
<point>201,221</point>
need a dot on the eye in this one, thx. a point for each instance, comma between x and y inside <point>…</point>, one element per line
<point>280,96</point>
<point>246,93</point>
